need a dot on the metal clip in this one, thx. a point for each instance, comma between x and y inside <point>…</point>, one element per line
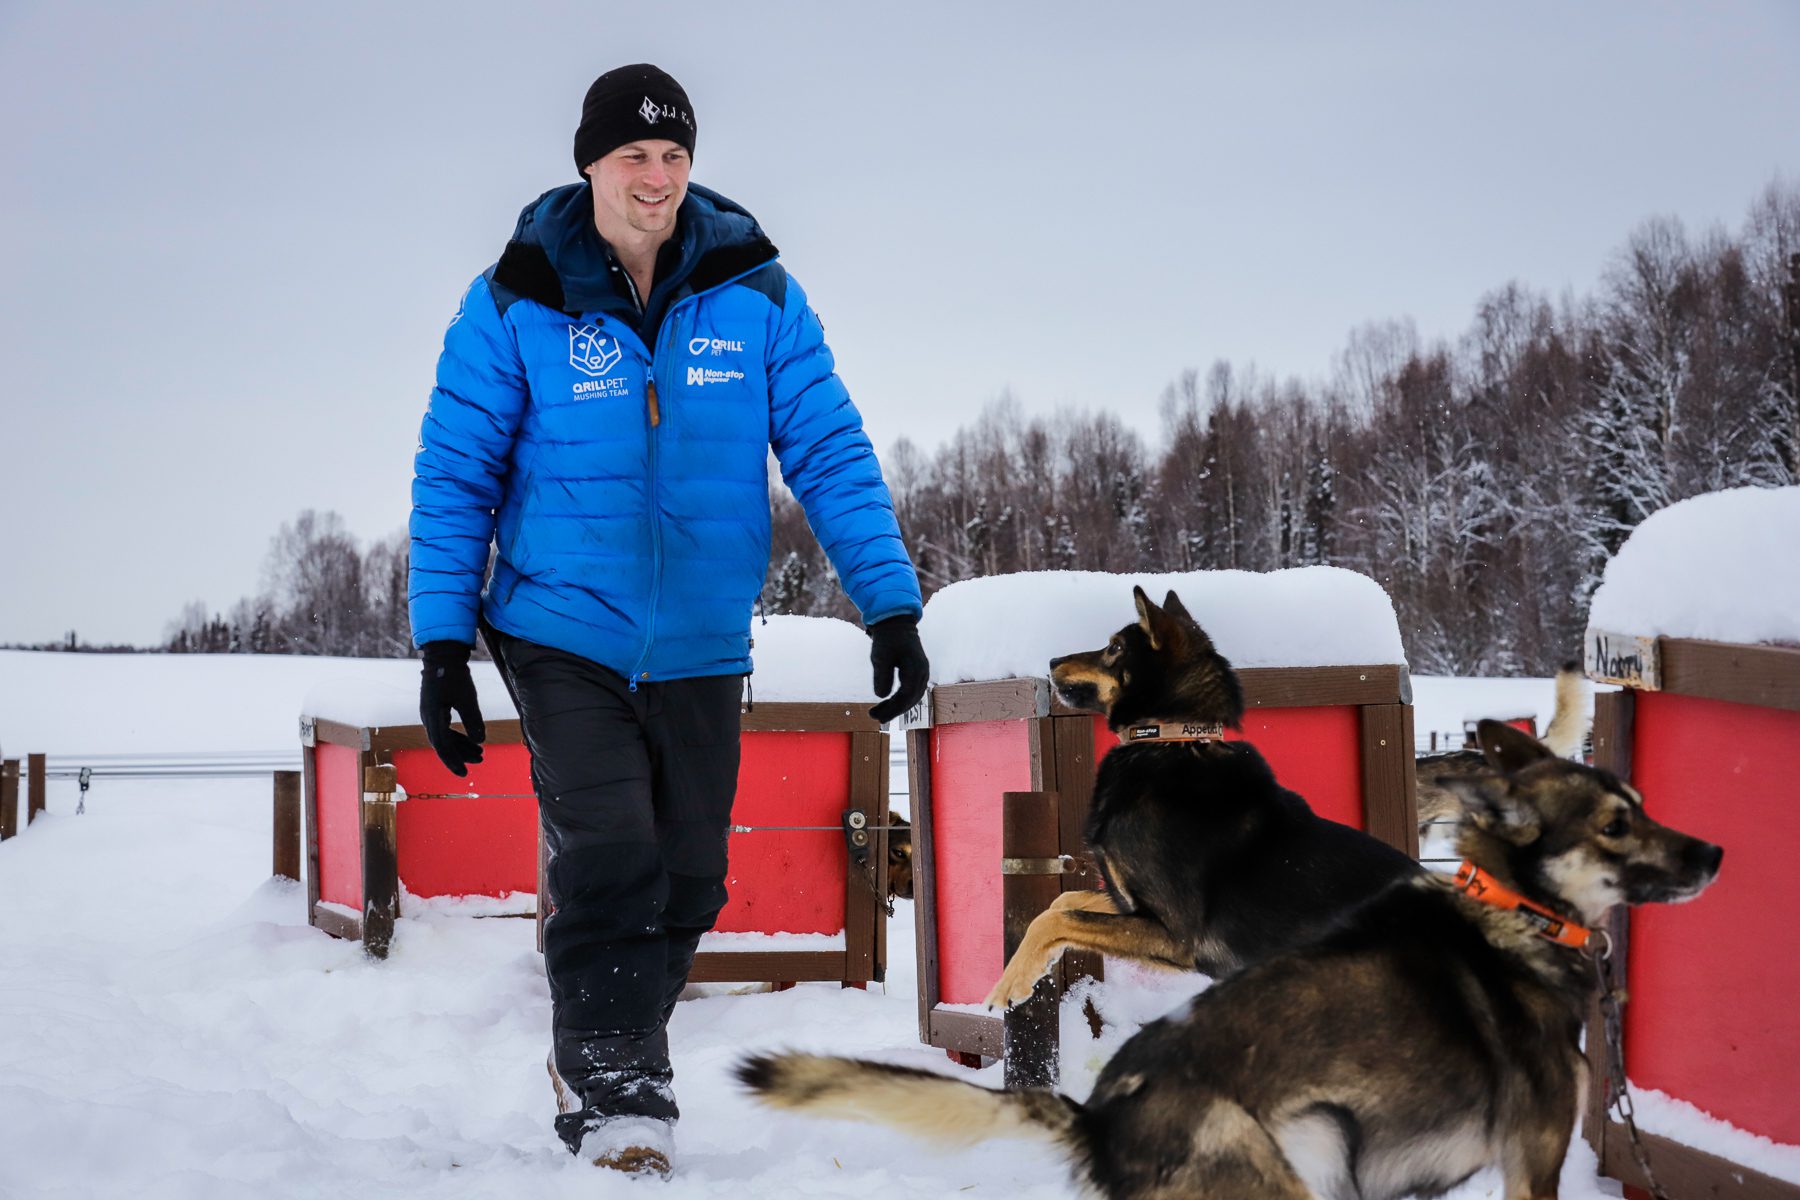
<point>856,836</point>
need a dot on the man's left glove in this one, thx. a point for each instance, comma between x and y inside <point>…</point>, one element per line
<point>896,647</point>
<point>445,686</point>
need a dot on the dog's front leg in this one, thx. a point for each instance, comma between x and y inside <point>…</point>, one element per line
<point>1085,921</point>
<point>1044,941</point>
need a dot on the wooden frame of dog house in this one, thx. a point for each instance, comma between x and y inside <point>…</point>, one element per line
<point>977,741</point>
<point>1711,737</point>
<point>804,764</point>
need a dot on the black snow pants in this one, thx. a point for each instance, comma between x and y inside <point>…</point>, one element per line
<point>634,793</point>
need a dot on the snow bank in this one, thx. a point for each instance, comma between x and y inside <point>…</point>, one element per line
<point>1005,626</point>
<point>71,704</point>
<point>1720,566</point>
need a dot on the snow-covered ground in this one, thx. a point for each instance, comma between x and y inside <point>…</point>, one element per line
<point>171,1027</point>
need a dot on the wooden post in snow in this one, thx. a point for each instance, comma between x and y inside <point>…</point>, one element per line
<point>1031,879</point>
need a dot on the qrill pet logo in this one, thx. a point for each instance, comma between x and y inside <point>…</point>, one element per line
<point>592,352</point>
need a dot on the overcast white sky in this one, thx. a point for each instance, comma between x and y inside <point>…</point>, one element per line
<point>232,233</point>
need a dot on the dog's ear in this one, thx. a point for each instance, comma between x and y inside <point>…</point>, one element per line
<point>1493,804</point>
<point>1149,616</point>
<point>1509,749</point>
<point>1195,638</point>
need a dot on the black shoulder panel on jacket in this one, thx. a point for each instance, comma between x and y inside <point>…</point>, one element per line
<point>728,262</point>
<point>524,273</point>
<point>771,281</point>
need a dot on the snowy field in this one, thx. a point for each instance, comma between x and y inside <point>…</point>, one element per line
<point>171,1027</point>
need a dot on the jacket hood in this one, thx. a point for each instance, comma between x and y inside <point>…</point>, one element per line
<point>555,243</point>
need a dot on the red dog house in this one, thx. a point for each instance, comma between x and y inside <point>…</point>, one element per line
<point>1715,750</point>
<point>1708,729</point>
<point>1340,735</point>
<point>808,848</point>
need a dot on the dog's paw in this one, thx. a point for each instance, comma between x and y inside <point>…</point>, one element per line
<point>1015,987</point>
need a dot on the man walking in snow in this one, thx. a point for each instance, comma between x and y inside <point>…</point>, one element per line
<point>606,400</point>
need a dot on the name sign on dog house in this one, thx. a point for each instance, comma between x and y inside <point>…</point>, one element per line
<point>1624,659</point>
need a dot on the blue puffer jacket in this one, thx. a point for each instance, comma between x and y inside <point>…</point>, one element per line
<point>618,461</point>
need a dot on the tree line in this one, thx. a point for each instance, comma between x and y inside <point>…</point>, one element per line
<point>1483,481</point>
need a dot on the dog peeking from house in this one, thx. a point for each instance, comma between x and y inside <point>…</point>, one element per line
<point>899,858</point>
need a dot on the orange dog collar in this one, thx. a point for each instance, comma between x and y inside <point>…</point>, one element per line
<point>1472,881</point>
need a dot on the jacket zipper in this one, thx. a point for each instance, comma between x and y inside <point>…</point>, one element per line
<point>655,416</point>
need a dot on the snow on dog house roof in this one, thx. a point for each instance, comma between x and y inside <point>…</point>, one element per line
<point>1011,626</point>
<point>820,659</point>
<point>1723,567</point>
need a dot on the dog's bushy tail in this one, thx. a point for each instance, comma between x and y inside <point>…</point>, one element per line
<point>921,1103</point>
<point>1569,724</point>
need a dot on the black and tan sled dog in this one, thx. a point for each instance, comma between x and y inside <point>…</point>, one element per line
<point>1433,1031</point>
<point>1568,729</point>
<point>1209,863</point>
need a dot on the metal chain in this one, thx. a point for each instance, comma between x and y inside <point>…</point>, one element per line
<point>1618,1095</point>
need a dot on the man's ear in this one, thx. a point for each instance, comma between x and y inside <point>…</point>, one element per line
<point>1493,804</point>
<point>1509,749</point>
<point>1150,617</point>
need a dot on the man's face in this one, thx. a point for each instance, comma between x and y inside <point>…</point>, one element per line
<point>639,186</point>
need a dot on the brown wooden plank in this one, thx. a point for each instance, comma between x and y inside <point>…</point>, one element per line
<point>34,787</point>
<point>1073,783</point>
<point>1614,713</point>
<point>380,859</point>
<point>1614,716</point>
<point>9,798</point>
<point>810,717</point>
<point>1688,1173</point>
<point>383,740</point>
<point>772,966</point>
<point>925,940</point>
<point>340,734</point>
<point>881,859</point>
<point>286,815</point>
<point>992,700</point>
<point>965,1032</point>
<point>862,911</point>
<point>1029,830</point>
<point>1389,783</point>
<point>1041,747</point>
<point>1303,687</point>
<point>1766,676</point>
<point>309,834</point>
<point>1306,687</point>
<point>337,924</point>
<point>1074,787</point>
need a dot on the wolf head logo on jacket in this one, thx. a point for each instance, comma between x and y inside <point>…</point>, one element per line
<point>591,351</point>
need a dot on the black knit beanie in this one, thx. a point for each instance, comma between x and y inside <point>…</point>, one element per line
<point>628,104</point>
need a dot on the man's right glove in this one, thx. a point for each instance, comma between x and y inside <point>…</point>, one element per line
<point>447,686</point>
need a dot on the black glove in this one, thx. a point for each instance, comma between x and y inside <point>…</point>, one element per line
<point>896,645</point>
<point>447,686</point>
